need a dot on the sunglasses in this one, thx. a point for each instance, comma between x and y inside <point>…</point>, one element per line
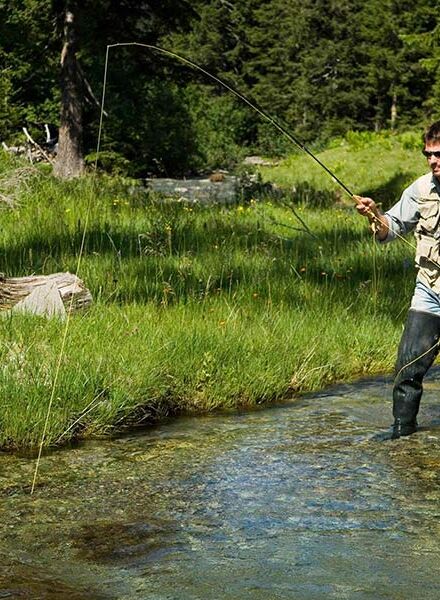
<point>428,153</point>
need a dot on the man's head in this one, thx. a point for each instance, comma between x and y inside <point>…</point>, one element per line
<point>432,134</point>
<point>431,148</point>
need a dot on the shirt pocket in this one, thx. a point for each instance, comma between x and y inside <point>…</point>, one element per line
<point>429,214</point>
<point>428,256</point>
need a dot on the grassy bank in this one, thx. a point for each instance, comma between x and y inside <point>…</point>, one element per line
<point>376,165</point>
<point>195,308</point>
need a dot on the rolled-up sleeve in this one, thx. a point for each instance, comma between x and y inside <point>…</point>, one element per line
<point>404,215</point>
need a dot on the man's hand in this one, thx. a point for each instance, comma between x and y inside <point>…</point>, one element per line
<point>368,208</point>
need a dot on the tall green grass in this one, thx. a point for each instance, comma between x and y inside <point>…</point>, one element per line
<point>196,308</point>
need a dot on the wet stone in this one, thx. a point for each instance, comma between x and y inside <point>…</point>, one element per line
<point>225,189</point>
<point>129,543</point>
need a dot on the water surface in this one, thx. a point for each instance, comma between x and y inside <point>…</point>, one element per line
<point>306,500</point>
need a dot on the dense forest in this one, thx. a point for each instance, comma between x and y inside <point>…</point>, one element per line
<point>320,67</point>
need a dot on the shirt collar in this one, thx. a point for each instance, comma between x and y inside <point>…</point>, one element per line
<point>435,184</point>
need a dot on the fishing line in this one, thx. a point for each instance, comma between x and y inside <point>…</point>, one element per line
<point>63,344</point>
<point>375,282</point>
<point>375,221</point>
<point>66,329</point>
<point>244,99</point>
<point>433,347</point>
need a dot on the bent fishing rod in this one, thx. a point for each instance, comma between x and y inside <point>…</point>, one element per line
<point>234,91</point>
<point>374,220</point>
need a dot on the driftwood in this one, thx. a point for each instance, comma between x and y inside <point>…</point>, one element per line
<point>46,295</point>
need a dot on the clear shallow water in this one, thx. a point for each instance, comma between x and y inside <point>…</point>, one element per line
<point>304,501</point>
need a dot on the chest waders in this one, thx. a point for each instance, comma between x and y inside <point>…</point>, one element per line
<point>419,344</point>
<point>417,351</point>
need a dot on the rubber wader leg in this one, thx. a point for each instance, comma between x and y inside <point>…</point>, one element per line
<point>417,351</point>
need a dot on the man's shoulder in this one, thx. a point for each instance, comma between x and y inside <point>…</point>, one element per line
<point>427,177</point>
<point>423,185</point>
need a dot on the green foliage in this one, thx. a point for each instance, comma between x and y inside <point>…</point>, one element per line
<point>28,66</point>
<point>426,45</point>
<point>322,68</point>
<point>220,125</point>
<point>357,140</point>
<point>6,114</point>
<point>410,140</point>
<point>153,140</point>
<point>110,162</point>
<point>307,64</point>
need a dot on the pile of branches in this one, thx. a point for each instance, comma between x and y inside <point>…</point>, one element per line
<point>33,151</point>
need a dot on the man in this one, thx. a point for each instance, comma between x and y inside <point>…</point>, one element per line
<point>418,209</point>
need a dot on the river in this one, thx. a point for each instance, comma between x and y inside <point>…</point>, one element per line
<point>304,500</point>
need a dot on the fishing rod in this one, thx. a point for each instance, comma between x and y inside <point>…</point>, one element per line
<point>236,93</point>
<point>239,95</point>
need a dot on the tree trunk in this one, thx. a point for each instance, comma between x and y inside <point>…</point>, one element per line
<point>393,114</point>
<point>69,162</point>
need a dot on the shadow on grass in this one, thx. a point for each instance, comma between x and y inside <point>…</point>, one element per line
<point>156,261</point>
<point>389,193</point>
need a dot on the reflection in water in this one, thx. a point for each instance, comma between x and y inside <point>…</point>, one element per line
<point>296,501</point>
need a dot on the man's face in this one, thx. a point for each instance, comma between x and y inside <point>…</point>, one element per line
<point>432,153</point>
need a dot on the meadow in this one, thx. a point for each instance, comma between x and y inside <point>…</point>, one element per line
<point>200,308</point>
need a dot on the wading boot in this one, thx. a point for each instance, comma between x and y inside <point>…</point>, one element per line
<point>417,351</point>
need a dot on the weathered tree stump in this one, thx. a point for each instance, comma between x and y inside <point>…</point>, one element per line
<point>46,295</point>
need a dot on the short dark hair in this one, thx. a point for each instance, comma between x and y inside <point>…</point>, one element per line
<point>432,134</point>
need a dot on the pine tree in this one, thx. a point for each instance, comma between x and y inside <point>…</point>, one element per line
<point>393,80</point>
<point>423,45</point>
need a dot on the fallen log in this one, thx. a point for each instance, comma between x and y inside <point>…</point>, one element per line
<point>45,295</point>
